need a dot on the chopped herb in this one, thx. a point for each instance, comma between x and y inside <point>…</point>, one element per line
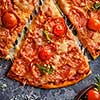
<point>47,36</point>
<point>45,69</point>
<point>97,5</point>
<point>51,70</point>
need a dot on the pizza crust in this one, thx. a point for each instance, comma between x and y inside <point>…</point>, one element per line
<point>66,83</point>
<point>49,85</point>
<point>66,7</point>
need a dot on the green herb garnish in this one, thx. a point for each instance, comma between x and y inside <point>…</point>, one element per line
<point>51,69</point>
<point>45,69</point>
<point>97,83</point>
<point>47,35</point>
<point>97,5</point>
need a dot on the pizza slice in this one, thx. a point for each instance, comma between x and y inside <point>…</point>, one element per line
<point>85,16</point>
<point>49,56</point>
<point>13,17</point>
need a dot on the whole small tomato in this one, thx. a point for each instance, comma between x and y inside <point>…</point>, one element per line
<point>93,24</point>
<point>59,29</point>
<point>9,20</point>
<point>45,54</point>
<point>93,94</point>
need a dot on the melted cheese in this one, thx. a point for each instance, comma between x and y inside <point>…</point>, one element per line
<point>56,59</point>
<point>96,37</point>
<point>25,5</point>
<point>62,46</point>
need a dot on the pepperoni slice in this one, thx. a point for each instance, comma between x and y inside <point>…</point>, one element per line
<point>9,20</point>
<point>93,24</point>
<point>45,54</point>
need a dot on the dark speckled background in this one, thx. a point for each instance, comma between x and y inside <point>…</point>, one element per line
<point>12,90</point>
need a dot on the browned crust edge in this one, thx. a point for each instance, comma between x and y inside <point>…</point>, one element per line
<point>47,85</point>
<point>63,8</point>
<point>66,83</point>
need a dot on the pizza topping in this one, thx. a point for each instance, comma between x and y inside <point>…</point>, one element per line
<point>24,5</point>
<point>59,29</point>
<point>51,69</point>
<point>56,59</point>
<point>45,69</point>
<point>97,5</point>
<point>79,2</point>
<point>56,26</point>
<point>19,67</point>
<point>79,17</point>
<point>29,49</point>
<point>47,36</point>
<point>64,71</point>
<point>9,20</point>
<point>93,24</point>
<point>63,46</point>
<point>45,54</point>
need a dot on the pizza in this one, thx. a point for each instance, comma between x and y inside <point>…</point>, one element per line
<point>85,16</point>
<point>49,56</point>
<point>13,16</point>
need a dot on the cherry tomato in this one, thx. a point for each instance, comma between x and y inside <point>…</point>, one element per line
<point>9,20</point>
<point>45,54</point>
<point>59,28</point>
<point>93,24</point>
<point>93,95</point>
<point>59,20</point>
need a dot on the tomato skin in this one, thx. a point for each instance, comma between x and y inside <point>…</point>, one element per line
<point>59,28</point>
<point>93,95</point>
<point>9,20</point>
<point>45,54</point>
<point>93,24</point>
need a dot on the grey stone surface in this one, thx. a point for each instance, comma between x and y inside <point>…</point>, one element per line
<point>12,90</point>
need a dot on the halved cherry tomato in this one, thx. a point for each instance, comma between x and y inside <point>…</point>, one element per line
<point>59,28</point>
<point>93,95</point>
<point>45,54</point>
<point>93,24</point>
<point>9,20</point>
